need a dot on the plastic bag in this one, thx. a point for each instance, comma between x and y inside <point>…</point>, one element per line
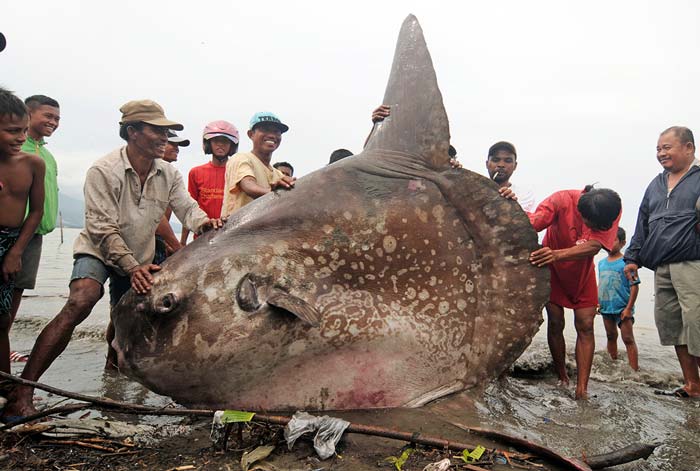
<point>328,432</point>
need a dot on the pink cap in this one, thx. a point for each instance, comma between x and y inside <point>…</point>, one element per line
<point>221,128</point>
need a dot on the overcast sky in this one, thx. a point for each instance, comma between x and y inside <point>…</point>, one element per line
<point>582,89</point>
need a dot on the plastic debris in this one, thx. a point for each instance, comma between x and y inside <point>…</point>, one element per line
<point>219,433</point>
<point>442,465</point>
<point>474,455</point>
<point>259,454</point>
<point>328,432</point>
<point>399,461</point>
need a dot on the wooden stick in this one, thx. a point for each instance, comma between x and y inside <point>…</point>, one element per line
<point>418,438</point>
<point>68,408</point>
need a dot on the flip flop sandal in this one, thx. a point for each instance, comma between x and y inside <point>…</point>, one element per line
<point>18,357</point>
<point>680,392</point>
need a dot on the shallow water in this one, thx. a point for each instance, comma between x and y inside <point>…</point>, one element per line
<point>528,402</point>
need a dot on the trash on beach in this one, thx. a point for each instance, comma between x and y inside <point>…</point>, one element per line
<point>328,432</point>
<point>259,454</point>
<point>474,455</point>
<point>220,424</point>
<point>62,428</point>
<point>442,465</point>
<point>399,461</point>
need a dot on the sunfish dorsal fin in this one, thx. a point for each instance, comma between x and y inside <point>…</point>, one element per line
<point>418,123</point>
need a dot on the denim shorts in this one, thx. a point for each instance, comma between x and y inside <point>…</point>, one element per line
<point>615,317</point>
<point>87,266</point>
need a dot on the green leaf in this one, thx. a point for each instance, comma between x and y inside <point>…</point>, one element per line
<point>233,416</point>
<point>401,460</point>
<point>475,455</point>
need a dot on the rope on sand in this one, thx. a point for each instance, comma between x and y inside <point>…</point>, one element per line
<point>624,455</point>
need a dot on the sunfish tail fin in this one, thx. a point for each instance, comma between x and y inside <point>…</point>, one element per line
<point>418,123</point>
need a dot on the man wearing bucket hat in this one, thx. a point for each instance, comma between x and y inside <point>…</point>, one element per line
<point>126,195</point>
<point>249,174</point>
<point>206,182</point>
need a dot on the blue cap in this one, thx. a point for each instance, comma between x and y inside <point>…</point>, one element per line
<point>267,117</point>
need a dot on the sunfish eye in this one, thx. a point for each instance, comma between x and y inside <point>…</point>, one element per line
<point>166,303</point>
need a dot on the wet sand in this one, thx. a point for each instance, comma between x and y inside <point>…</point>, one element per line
<point>623,408</point>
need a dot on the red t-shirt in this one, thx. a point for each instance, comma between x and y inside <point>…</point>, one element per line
<point>573,282</point>
<point>206,185</point>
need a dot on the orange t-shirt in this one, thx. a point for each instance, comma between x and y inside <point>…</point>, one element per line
<point>206,185</point>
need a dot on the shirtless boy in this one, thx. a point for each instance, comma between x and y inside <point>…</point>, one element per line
<point>21,179</point>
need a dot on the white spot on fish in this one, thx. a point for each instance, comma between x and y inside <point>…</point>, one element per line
<point>389,244</point>
<point>347,215</point>
<point>410,293</point>
<point>308,261</point>
<point>443,307</point>
<point>327,229</point>
<point>469,286</point>
<point>461,304</point>
<point>423,295</point>
<point>438,213</point>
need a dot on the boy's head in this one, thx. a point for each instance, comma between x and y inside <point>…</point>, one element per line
<point>620,240</point>
<point>44,115</point>
<point>14,123</point>
<point>599,207</point>
<point>220,139</point>
<point>285,167</point>
<point>266,131</point>
<point>501,162</point>
<point>172,148</point>
<point>339,154</point>
<point>675,149</point>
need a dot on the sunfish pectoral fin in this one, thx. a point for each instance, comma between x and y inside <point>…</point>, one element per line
<point>294,305</point>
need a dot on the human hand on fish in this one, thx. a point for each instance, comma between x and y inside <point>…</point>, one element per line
<point>454,163</point>
<point>214,223</point>
<point>631,272</point>
<point>507,193</point>
<point>11,265</point>
<point>379,114</point>
<point>542,257</point>
<point>284,183</point>
<point>141,278</point>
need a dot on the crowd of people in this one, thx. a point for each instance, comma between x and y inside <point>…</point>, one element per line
<point>131,192</point>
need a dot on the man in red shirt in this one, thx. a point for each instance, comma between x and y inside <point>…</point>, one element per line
<point>579,224</point>
<point>206,182</point>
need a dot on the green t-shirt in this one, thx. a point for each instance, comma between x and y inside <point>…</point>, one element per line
<point>48,220</point>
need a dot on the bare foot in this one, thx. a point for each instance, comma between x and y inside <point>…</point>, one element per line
<point>581,395</point>
<point>19,404</point>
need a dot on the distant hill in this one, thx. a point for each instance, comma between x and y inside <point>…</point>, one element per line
<point>72,210</point>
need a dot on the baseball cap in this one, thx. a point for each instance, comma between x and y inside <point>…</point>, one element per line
<point>267,117</point>
<point>147,111</point>
<point>502,145</point>
<point>177,140</point>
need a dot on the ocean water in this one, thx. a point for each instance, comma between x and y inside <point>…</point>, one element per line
<point>623,408</point>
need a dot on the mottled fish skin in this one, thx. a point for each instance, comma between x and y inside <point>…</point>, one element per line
<point>387,279</point>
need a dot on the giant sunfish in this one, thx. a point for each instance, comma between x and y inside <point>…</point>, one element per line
<point>387,279</point>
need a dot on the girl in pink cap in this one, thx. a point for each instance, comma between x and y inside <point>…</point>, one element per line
<point>206,182</point>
